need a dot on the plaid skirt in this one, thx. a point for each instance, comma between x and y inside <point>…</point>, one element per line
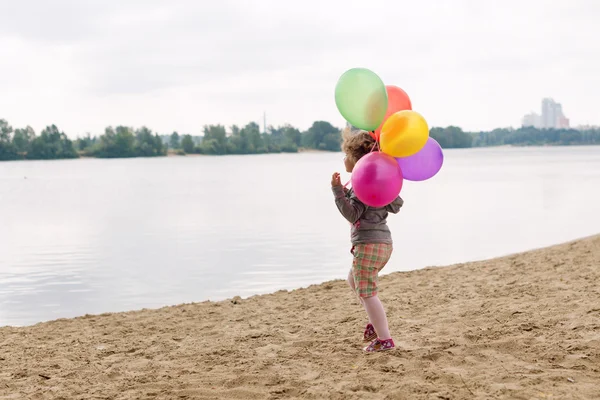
<point>369,259</point>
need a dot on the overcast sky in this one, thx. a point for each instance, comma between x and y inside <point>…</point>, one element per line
<point>180,64</point>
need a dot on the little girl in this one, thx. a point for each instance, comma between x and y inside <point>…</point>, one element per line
<point>371,241</point>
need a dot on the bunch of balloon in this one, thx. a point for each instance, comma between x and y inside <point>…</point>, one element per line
<point>406,151</point>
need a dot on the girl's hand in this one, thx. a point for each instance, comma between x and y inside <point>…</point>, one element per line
<point>336,180</point>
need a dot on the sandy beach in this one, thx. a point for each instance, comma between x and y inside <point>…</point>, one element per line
<point>526,326</point>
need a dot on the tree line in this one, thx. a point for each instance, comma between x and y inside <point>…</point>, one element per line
<point>122,141</point>
<point>530,136</point>
<point>454,137</point>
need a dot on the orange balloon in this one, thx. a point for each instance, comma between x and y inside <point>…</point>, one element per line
<point>398,100</point>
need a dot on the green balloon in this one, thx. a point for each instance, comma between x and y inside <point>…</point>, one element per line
<point>361,98</point>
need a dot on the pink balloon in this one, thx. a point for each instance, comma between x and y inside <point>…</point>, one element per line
<point>377,179</point>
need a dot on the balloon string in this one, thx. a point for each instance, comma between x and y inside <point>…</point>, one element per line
<point>376,144</point>
<point>348,183</point>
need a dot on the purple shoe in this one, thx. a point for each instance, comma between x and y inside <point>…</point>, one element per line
<point>380,345</point>
<point>370,333</point>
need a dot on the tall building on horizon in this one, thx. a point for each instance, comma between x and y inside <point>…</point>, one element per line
<point>552,116</point>
<point>532,119</point>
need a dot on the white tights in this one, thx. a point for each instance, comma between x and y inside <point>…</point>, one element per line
<point>375,311</point>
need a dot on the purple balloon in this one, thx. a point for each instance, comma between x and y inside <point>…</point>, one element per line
<point>424,164</point>
<point>377,179</point>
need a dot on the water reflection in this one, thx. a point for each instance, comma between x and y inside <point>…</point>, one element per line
<point>92,236</point>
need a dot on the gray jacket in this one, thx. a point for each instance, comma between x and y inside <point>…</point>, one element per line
<point>369,224</point>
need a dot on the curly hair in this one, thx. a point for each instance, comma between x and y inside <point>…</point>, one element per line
<point>356,144</point>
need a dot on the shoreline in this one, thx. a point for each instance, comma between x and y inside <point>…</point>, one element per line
<point>300,151</point>
<point>524,325</point>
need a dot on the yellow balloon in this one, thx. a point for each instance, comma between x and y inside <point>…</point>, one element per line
<point>404,133</point>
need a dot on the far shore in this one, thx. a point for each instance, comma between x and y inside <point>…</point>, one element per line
<point>172,153</point>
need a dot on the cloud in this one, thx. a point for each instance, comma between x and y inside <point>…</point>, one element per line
<point>183,63</point>
<point>57,21</point>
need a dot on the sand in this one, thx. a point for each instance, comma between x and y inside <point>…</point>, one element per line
<point>525,326</point>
